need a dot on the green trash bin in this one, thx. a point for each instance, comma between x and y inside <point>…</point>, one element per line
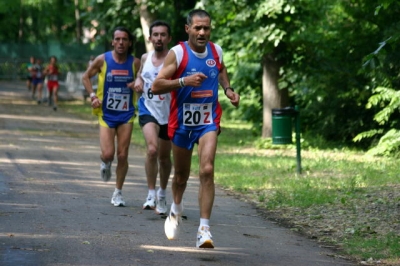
<point>282,124</point>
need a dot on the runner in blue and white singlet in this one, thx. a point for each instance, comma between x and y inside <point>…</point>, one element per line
<point>196,108</point>
<point>150,104</point>
<point>192,73</point>
<point>153,118</point>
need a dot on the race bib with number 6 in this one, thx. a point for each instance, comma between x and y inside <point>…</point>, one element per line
<point>150,95</point>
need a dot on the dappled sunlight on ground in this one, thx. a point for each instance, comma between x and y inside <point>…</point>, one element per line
<point>232,251</point>
<point>47,119</point>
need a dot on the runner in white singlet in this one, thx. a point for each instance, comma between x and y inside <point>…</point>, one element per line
<point>153,118</point>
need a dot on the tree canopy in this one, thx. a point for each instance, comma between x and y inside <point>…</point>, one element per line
<point>337,60</point>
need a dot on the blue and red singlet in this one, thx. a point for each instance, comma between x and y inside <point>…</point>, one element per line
<point>196,109</point>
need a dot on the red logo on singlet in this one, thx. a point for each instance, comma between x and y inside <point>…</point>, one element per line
<point>116,72</point>
<point>202,94</point>
<point>211,62</point>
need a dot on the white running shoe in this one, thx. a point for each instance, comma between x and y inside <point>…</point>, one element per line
<point>105,171</point>
<point>171,226</point>
<point>117,200</point>
<point>161,206</point>
<point>150,203</point>
<point>204,238</point>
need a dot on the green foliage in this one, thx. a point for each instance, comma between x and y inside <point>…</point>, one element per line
<point>382,67</point>
<point>388,145</point>
<point>382,96</point>
<point>320,47</point>
<point>331,93</point>
<point>368,134</point>
<point>248,31</point>
<point>109,14</point>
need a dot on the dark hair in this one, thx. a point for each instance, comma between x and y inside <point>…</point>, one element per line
<point>196,12</point>
<point>160,23</point>
<point>130,36</point>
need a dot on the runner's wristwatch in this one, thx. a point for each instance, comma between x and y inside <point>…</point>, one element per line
<point>225,89</point>
<point>92,95</point>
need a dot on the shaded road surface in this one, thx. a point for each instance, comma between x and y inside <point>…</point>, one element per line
<point>55,210</point>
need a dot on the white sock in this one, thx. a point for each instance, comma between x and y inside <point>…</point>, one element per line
<point>152,193</point>
<point>108,164</point>
<point>161,193</point>
<point>176,208</point>
<point>204,222</point>
<point>118,190</point>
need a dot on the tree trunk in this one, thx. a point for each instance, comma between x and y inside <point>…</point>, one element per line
<point>146,18</point>
<point>21,23</point>
<point>180,34</point>
<point>77,22</point>
<point>272,96</point>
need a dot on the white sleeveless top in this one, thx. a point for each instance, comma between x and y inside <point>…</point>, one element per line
<point>157,105</point>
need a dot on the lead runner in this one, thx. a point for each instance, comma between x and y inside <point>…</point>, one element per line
<point>192,71</point>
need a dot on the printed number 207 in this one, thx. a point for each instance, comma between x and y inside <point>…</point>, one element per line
<point>195,118</point>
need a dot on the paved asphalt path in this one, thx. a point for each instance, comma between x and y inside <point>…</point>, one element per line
<point>55,210</point>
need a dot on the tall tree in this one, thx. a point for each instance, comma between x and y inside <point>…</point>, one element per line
<point>172,11</point>
<point>78,25</point>
<point>146,18</point>
<point>263,32</point>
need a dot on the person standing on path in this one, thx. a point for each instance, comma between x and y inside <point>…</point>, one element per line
<point>192,71</point>
<point>30,72</point>
<point>37,80</point>
<point>153,118</point>
<point>52,71</point>
<point>114,105</point>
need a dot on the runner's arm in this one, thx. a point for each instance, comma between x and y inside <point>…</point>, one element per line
<point>137,65</point>
<point>138,87</point>
<point>91,71</point>
<point>163,82</point>
<point>223,79</point>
